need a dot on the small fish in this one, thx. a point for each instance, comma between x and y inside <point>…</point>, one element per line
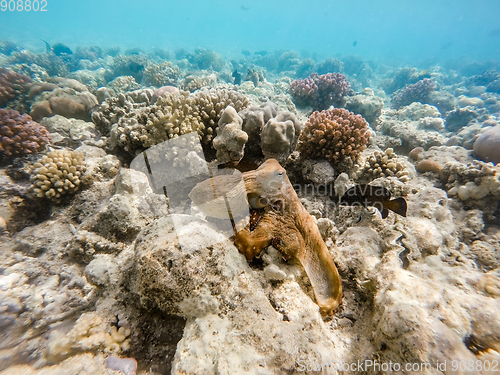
<point>354,43</point>
<point>374,196</point>
<point>237,77</point>
<point>245,7</point>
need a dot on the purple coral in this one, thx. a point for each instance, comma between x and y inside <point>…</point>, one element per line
<point>417,92</point>
<point>10,85</point>
<point>320,91</point>
<point>19,134</point>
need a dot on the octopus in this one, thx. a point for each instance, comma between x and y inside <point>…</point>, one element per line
<point>278,218</point>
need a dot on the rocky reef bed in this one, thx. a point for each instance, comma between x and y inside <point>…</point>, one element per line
<point>101,272</point>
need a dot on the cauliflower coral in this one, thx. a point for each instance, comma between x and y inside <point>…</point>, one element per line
<point>335,135</point>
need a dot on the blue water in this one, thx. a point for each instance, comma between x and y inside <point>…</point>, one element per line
<point>388,30</point>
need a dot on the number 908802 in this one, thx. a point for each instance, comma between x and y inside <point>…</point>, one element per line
<point>23,5</point>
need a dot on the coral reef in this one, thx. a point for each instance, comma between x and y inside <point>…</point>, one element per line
<point>279,136</point>
<point>57,174</point>
<point>19,135</point>
<point>206,59</point>
<point>11,85</point>
<point>230,140</point>
<point>330,66</point>
<point>411,126</point>
<point>195,82</point>
<point>417,92</point>
<point>112,109</point>
<point>365,104</point>
<point>173,114</point>
<point>320,91</point>
<point>161,75</point>
<point>335,135</point>
<point>487,145</point>
<point>459,118</point>
<point>65,97</point>
<point>384,164</point>
<point>271,133</point>
<point>127,65</point>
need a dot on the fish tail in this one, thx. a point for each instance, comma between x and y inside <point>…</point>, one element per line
<point>397,205</point>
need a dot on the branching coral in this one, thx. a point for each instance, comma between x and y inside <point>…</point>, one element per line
<point>114,108</point>
<point>161,75</point>
<point>334,135</point>
<point>417,92</point>
<point>19,135</point>
<point>11,84</point>
<point>57,174</point>
<point>175,114</point>
<point>320,92</point>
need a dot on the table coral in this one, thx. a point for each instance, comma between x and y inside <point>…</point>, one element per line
<point>57,174</point>
<point>292,231</point>
<point>19,135</point>
<point>320,91</point>
<point>11,84</point>
<point>334,135</point>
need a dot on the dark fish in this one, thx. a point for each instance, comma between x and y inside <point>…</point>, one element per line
<point>374,196</point>
<point>60,49</point>
<point>135,67</point>
<point>354,43</point>
<point>237,77</point>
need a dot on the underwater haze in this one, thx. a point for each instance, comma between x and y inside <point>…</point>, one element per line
<point>385,29</point>
<point>249,187</point>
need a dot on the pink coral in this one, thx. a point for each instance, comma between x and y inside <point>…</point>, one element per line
<point>19,134</point>
<point>320,91</point>
<point>334,135</point>
<point>10,85</point>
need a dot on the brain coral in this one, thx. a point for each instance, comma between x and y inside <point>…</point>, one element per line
<point>10,85</point>
<point>19,135</point>
<point>57,174</point>
<point>334,135</point>
<point>417,92</point>
<point>320,92</point>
